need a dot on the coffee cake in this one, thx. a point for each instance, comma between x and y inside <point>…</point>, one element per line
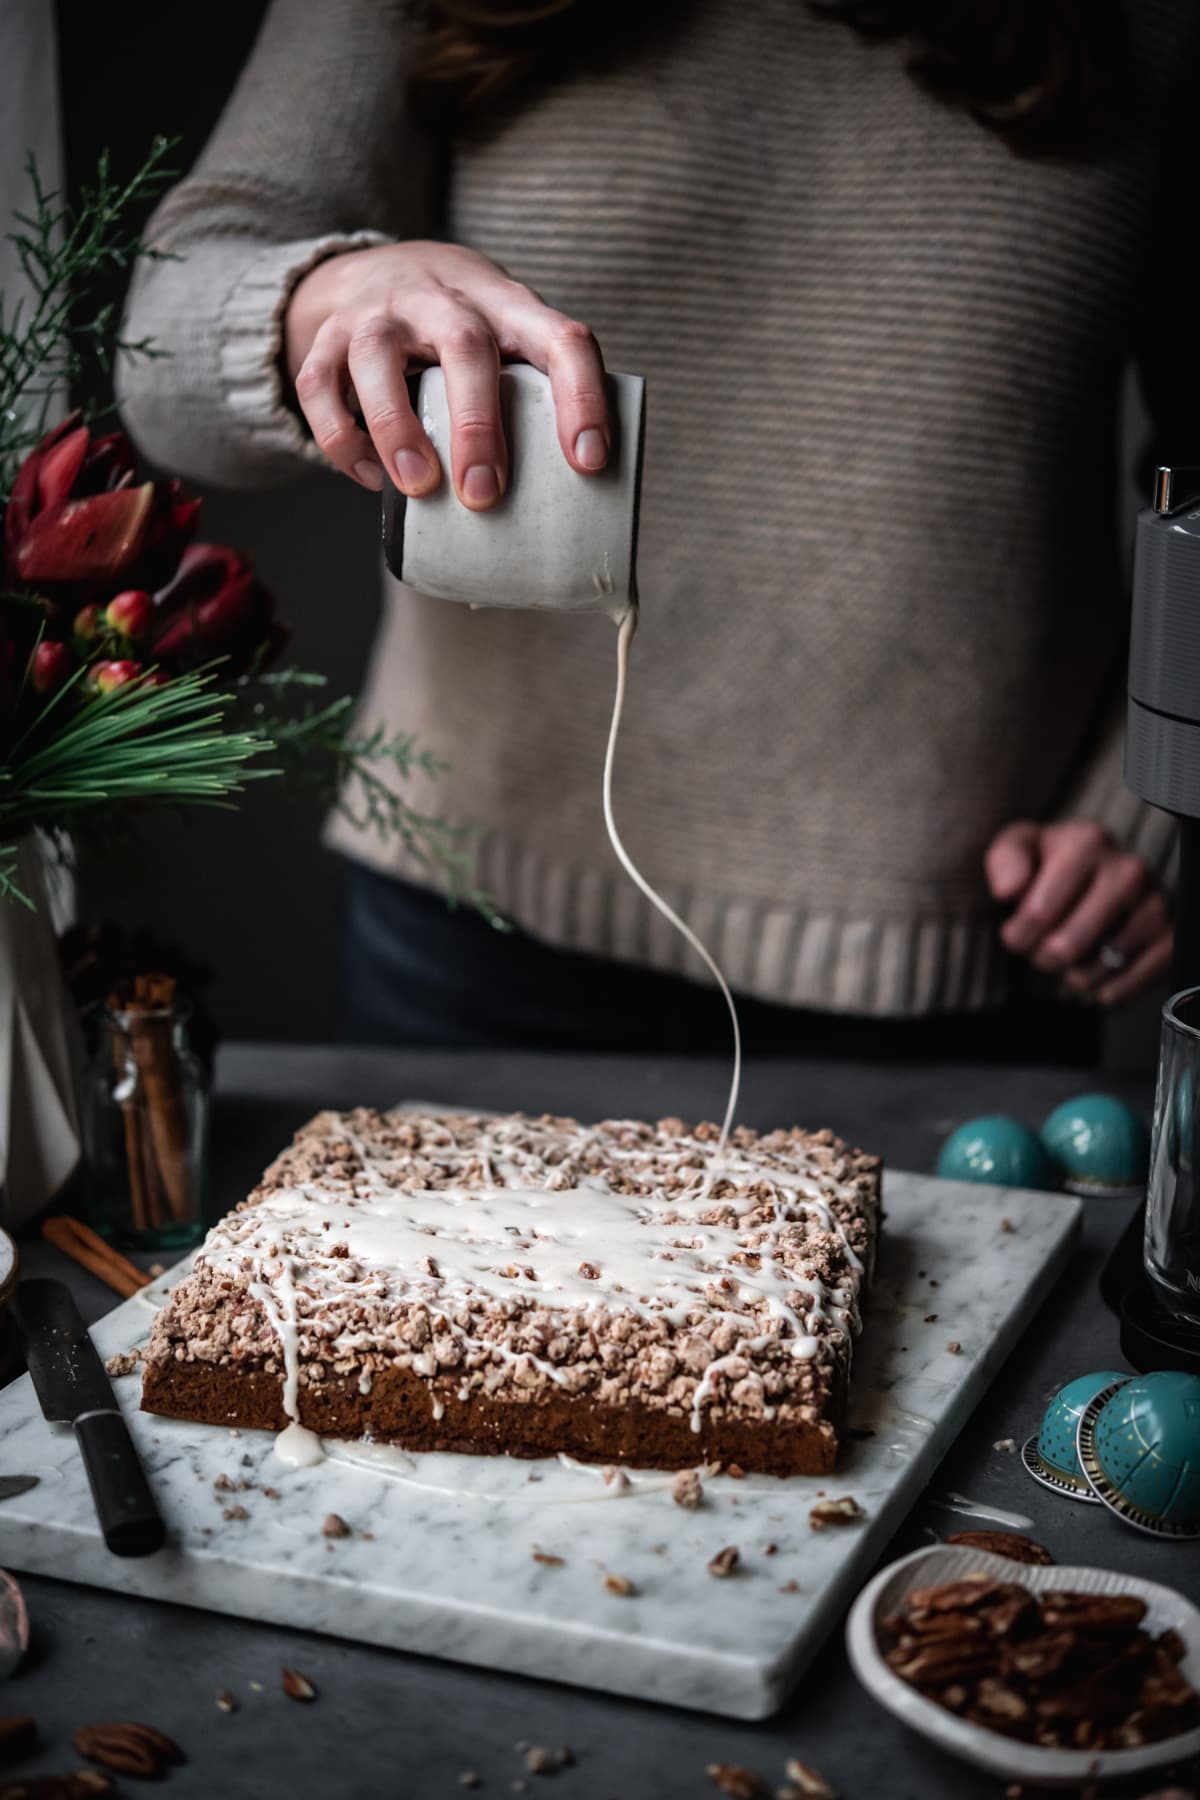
<point>621,1292</point>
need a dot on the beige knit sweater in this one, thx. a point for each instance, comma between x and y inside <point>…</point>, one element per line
<point>882,608</point>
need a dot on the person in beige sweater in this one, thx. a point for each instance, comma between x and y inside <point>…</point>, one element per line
<point>881,267</point>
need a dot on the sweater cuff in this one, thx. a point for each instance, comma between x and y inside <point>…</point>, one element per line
<point>250,327</point>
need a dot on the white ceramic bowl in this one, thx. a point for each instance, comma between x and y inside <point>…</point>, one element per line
<point>1003,1756</point>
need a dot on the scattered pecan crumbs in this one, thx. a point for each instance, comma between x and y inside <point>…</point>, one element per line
<point>954,1347</point>
<point>223,1484</point>
<point>724,1562</point>
<point>235,1512</point>
<point>123,1362</point>
<point>551,1562</point>
<point>770,1549</point>
<point>226,1701</point>
<point>739,1783</point>
<point>808,1782</point>
<point>335,1526</point>
<point>736,1472</point>
<point>127,1748</point>
<point>619,1584</point>
<point>1012,1544</point>
<point>297,1686</point>
<point>1061,1669</point>
<point>270,1493</point>
<point>18,1735</point>
<point>931,1318</point>
<point>686,1489</point>
<point>1007,1225</point>
<point>790,1587</point>
<point>845,1511</point>
<point>541,1761</point>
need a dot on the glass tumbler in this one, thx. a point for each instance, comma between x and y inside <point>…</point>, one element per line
<point>1172,1247</point>
<point>146,1130</point>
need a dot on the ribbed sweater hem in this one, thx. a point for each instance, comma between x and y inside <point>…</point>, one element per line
<point>835,961</point>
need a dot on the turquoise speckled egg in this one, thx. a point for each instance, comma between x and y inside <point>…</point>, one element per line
<point>995,1148</point>
<point>1051,1456</point>
<point>1096,1144</point>
<point>1140,1450</point>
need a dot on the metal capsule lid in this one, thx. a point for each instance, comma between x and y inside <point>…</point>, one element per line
<point>1139,1448</point>
<point>1050,1455</point>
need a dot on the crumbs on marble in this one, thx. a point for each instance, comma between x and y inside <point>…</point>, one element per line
<point>335,1526</point>
<point>790,1587</point>
<point>619,1584</point>
<point>270,1493</point>
<point>124,1362</point>
<point>235,1512</point>
<point>954,1348</point>
<point>843,1511</point>
<point>687,1490</point>
<point>931,1318</point>
<point>725,1562</point>
<point>551,1562</point>
<point>770,1549</point>
<point>1007,1225</point>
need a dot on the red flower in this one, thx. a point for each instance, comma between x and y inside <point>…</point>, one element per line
<point>75,523</point>
<point>215,607</point>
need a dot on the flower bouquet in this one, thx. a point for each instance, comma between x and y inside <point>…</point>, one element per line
<point>139,665</point>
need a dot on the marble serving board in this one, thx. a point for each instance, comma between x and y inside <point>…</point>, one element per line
<point>441,1556</point>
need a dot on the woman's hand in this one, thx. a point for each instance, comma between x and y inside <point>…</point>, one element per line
<point>358,323</point>
<point>1083,908</point>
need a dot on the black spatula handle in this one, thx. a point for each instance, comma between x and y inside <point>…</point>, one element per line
<point>131,1522</point>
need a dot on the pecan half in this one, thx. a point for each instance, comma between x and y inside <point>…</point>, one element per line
<point>724,1562</point>
<point>807,1781</point>
<point>127,1747</point>
<point>297,1686</point>
<point>738,1783</point>
<point>845,1511</point>
<point>1012,1544</point>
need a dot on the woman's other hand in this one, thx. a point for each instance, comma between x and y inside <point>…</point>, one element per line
<point>1082,908</point>
<point>358,323</point>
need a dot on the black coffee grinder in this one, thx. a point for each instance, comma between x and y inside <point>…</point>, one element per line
<point>1162,766</point>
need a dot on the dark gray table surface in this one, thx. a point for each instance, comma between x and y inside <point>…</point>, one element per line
<point>388,1725</point>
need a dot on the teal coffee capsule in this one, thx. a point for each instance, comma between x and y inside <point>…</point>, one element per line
<point>1050,1455</point>
<point>1139,1447</point>
<point>997,1149</point>
<point>1097,1145</point>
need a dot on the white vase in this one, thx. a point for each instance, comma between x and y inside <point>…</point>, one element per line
<point>39,1050</point>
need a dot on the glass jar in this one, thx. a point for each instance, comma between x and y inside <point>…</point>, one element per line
<point>1173,1194</point>
<point>146,1130</point>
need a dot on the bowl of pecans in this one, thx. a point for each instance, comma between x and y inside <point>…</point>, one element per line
<point>1052,1676</point>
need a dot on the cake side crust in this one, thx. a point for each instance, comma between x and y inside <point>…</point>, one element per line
<point>397,1411</point>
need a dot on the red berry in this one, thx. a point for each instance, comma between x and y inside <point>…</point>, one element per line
<point>49,667</point>
<point>110,675</point>
<point>87,622</point>
<point>131,613</point>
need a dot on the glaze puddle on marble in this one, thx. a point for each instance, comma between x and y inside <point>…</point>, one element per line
<point>443,1555</point>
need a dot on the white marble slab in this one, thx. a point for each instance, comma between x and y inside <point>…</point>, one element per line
<point>448,1568</point>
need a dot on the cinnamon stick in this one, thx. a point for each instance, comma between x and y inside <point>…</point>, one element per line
<point>134,1146</point>
<point>159,1149</point>
<point>82,1245</point>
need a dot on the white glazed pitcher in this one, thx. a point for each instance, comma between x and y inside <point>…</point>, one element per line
<point>558,540</point>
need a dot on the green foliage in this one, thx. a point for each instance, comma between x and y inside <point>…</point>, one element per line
<point>63,338</point>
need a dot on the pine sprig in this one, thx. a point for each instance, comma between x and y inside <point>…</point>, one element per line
<point>314,745</point>
<point>64,337</point>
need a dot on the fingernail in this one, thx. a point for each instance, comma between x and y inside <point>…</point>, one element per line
<point>591,449</point>
<point>481,485</point>
<point>370,474</point>
<point>413,470</point>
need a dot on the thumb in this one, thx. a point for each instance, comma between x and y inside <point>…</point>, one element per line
<point>1011,860</point>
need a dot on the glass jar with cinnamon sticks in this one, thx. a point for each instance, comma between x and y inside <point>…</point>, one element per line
<point>146,1121</point>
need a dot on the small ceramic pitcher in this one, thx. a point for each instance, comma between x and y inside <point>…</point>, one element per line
<point>557,540</point>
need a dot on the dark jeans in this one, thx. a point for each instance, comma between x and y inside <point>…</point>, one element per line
<point>423,974</point>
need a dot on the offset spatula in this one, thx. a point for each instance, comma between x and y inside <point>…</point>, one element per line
<point>72,1388</point>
